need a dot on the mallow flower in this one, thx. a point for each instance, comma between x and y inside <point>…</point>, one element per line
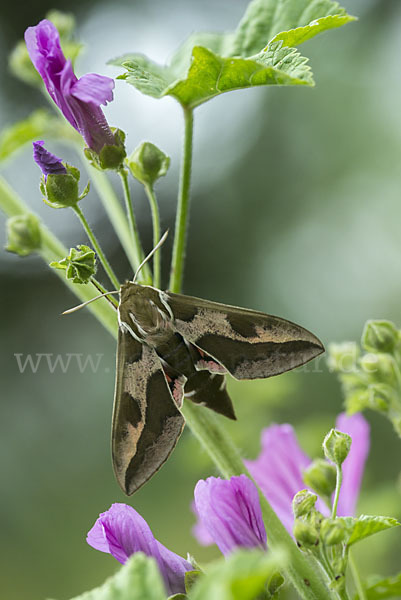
<point>48,163</point>
<point>121,531</point>
<point>78,99</point>
<point>278,471</point>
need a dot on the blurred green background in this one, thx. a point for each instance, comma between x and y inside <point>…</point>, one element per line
<point>296,211</point>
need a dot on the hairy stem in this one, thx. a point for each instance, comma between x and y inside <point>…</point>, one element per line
<point>181,222</point>
<point>102,257</point>
<point>337,491</point>
<point>145,276</point>
<point>356,577</point>
<point>156,234</point>
<point>53,250</point>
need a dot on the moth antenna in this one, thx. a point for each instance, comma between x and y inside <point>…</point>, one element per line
<point>149,256</point>
<point>75,308</point>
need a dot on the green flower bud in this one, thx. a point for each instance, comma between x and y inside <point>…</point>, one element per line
<point>61,190</point>
<point>79,265</point>
<point>379,336</point>
<point>332,532</point>
<point>64,22</point>
<point>343,357</point>
<point>303,502</point>
<point>147,163</point>
<point>336,446</point>
<point>321,476</point>
<point>305,534</point>
<point>110,156</point>
<point>23,234</point>
<point>381,397</point>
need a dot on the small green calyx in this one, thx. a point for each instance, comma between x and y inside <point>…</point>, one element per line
<point>110,156</point>
<point>23,234</point>
<point>336,446</point>
<point>148,163</point>
<point>303,503</point>
<point>380,336</point>
<point>79,265</point>
<point>321,476</point>
<point>305,533</point>
<point>332,532</point>
<point>61,190</point>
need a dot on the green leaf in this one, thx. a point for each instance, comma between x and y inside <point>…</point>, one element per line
<point>383,588</point>
<point>242,577</point>
<point>366,525</point>
<point>265,19</point>
<point>79,265</point>
<point>41,123</point>
<point>138,579</point>
<point>211,75</point>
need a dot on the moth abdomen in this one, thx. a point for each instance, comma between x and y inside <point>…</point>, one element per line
<point>209,389</point>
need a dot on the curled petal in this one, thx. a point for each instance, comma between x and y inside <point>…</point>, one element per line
<point>278,471</point>
<point>121,531</point>
<point>230,511</point>
<point>93,88</point>
<point>357,427</point>
<point>48,162</point>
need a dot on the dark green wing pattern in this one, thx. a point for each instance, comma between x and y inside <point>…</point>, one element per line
<point>249,344</point>
<point>146,422</point>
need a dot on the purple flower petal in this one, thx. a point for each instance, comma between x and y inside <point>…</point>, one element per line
<point>230,511</point>
<point>358,428</point>
<point>48,162</point>
<point>78,100</point>
<point>278,471</point>
<point>121,531</point>
<point>199,531</point>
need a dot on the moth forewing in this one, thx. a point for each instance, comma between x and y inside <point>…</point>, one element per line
<point>146,422</point>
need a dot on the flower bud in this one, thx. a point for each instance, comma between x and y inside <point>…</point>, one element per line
<point>381,397</point>
<point>303,502</point>
<point>61,190</point>
<point>111,156</point>
<point>321,476</point>
<point>379,336</point>
<point>336,446</point>
<point>147,163</point>
<point>23,234</point>
<point>332,532</point>
<point>305,534</point>
<point>21,65</point>
<point>79,265</point>
<point>343,357</point>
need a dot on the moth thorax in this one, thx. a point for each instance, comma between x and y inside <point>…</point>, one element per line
<point>151,321</point>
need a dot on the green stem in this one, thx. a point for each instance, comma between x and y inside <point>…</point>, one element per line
<point>156,234</point>
<point>102,290</point>
<point>105,263</point>
<point>301,570</point>
<point>53,250</point>
<point>135,241</point>
<point>181,223</point>
<point>356,577</point>
<point>114,211</point>
<point>337,492</point>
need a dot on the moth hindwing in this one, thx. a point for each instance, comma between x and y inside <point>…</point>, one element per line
<point>171,346</point>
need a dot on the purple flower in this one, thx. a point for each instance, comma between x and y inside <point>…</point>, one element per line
<point>78,99</point>
<point>278,472</point>
<point>121,531</point>
<point>48,162</point>
<point>230,512</point>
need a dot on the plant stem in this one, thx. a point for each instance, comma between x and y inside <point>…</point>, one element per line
<point>181,223</point>
<point>102,290</point>
<point>337,492</point>
<point>356,577</point>
<point>303,573</point>
<point>156,234</point>
<point>135,241</point>
<point>53,250</point>
<point>114,211</point>
<point>105,263</point>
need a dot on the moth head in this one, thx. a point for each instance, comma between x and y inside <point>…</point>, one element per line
<point>142,312</point>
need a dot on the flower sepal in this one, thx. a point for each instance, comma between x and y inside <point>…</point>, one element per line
<point>23,234</point>
<point>336,446</point>
<point>303,503</point>
<point>148,163</point>
<point>60,190</point>
<point>321,477</point>
<point>111,156</point>
<point>79,265</point>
